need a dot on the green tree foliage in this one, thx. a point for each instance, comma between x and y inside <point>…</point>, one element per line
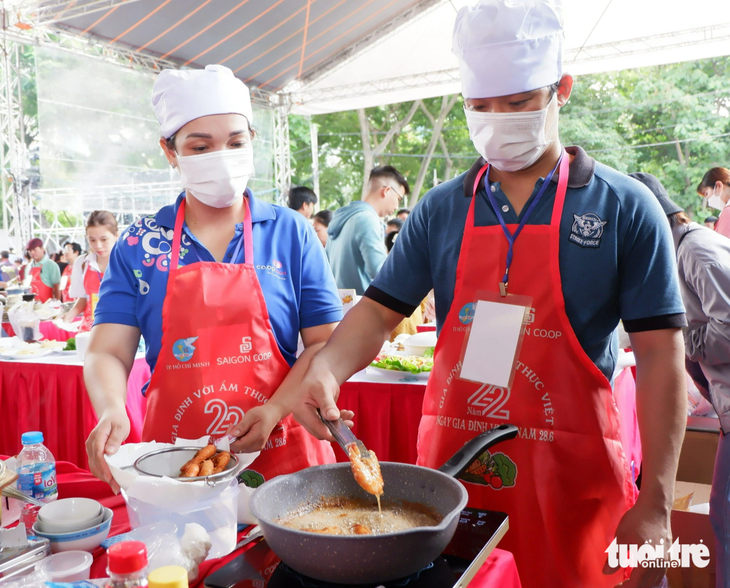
<point>672,121</point>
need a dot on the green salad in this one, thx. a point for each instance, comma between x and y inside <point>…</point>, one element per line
<point>70,345</point>
<point>409,363</point>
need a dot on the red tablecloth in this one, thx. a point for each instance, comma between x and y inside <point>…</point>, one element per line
<point>48,329</point>
<point>52,398</point>
<point>386,417</point>
<point>499,571</point>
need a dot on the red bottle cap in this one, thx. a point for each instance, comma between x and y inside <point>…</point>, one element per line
<point>127,557</point>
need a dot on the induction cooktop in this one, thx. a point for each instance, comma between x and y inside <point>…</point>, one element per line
<point>476,536</point>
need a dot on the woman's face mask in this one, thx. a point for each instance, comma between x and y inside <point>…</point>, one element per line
<point>715,201</point>
<point>512,141</point>
<point>219,178</point>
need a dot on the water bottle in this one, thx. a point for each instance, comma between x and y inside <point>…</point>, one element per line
<point>36,475</point>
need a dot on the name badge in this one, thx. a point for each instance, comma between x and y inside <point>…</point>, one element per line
<point>493,343</point>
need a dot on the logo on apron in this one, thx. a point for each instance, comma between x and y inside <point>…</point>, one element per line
<point>466,314</point>
<point>587,230</point>
<point>491,469</point>
<point>183,349</point>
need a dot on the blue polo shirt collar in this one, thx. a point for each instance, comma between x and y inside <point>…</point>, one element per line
<point>260,211</point>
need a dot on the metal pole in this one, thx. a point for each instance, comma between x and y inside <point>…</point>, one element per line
<point>282,163</point>
<point>315,161</point>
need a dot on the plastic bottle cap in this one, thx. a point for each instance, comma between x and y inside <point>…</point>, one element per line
<point>127,557</point>
<point>168,577</point>
<point>31,438</point>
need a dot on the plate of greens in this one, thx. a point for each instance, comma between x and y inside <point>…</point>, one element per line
<point>69,349</point>
<point>408,364</point>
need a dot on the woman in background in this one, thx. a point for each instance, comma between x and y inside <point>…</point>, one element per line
<point>88,271</point>
<point>715,186</point>
<point>320,222</point>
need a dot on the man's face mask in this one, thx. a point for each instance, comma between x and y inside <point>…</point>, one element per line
<point>512,141</point>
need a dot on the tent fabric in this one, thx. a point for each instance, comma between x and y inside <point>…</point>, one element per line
<point>327,55</point>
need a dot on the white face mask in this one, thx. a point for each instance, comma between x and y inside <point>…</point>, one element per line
<point>715,201</point>
<point>219,178</point>
<point>510,141</point>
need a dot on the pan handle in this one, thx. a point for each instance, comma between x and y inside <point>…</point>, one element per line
<point>471,449</point>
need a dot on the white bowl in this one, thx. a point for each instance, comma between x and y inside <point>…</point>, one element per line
<point>84,540</point>
<point>69,566</point>
<point>70,526</point>
<point>418,344</point>
<point>70,514</point>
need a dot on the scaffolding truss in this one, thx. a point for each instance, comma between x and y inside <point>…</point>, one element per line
<point>16,205</point>
<point>27,22</point>
<point>282,161</point>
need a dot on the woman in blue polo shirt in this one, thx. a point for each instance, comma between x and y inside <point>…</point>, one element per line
<point>220,285</point>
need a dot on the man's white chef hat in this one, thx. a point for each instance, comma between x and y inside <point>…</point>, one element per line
<point>181,96</point>
<point>508,46</point>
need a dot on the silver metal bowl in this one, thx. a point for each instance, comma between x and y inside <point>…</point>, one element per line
<point>167,463</point>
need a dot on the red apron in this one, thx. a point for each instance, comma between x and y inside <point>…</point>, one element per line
<point>42,292</point>
<point>219,358</point>
<point>92,283</point>
<point>564,481</point>
<point>67,271</point>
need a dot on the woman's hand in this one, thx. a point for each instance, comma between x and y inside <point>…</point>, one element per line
<point>255,428</point>
<point>106,438</point>
<point>257,424</point>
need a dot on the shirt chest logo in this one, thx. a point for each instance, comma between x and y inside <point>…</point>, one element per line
<point>275,268</point>
<point>587,230</point>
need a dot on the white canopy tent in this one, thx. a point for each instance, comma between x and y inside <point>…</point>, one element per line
<point>415,61</point>
<point>316,56</point>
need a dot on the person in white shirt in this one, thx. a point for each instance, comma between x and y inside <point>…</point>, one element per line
<point>88,270</point>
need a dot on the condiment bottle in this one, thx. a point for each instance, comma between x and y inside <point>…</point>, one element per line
<point>168,577</point>
<point>127,565</point>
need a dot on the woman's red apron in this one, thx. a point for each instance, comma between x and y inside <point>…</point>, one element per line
<point>92,284</point>
<point>67,271</point>
<point>42,292</point>
<point>219,358</point>
<point>564,481</point>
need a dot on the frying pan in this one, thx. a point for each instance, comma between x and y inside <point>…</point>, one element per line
<point>368,559</point>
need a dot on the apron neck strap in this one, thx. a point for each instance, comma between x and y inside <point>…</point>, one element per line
<point>564,172</point>
<point>246,238</point>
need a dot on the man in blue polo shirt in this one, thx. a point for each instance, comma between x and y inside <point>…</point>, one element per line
<point>579,246</point>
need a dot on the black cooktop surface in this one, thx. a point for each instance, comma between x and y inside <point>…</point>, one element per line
<point>259,567</point>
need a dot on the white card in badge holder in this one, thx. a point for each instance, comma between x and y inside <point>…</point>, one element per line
<point>494,340</point>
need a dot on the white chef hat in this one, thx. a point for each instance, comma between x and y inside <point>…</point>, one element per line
<point>508,46</point>
<point>181,96</point>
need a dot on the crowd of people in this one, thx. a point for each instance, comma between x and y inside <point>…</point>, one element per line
<point>70,275</point>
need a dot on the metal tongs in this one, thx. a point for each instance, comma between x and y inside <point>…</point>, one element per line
<point>215,440</point>
<point>344,436</point>
<point>13,493</point>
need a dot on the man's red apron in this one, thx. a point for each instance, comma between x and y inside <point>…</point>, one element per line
<point>42,292</point>
<point>67,271</point>
<point>564,481</point>
<point>92,284</point>
<point>219,358</point>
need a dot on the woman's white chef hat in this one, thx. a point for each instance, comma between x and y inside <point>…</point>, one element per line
<point>181,96</point>
<point>508,46</point>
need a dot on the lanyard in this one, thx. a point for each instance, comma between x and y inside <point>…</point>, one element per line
<point>512,237</point>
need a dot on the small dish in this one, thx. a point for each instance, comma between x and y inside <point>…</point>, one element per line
<point>69,515</point>
<point>68,566</point>
<point>25,353</point>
